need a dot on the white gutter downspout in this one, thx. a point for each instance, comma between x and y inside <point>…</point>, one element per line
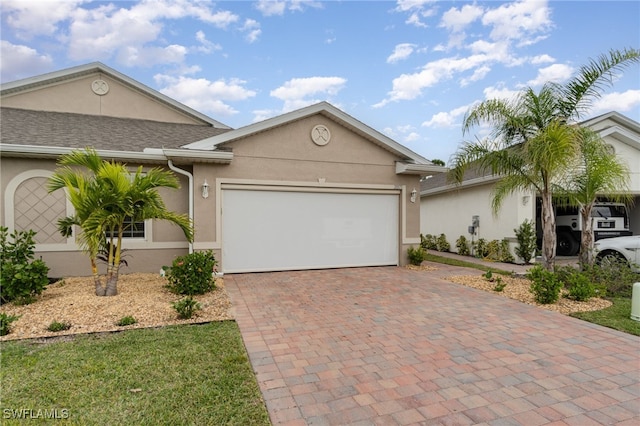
<point>190,177</point>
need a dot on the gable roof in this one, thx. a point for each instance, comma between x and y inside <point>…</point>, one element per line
<point>326,109</point>
<point>56,77</point>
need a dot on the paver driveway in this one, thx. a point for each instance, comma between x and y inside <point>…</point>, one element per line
<point>392,346</point>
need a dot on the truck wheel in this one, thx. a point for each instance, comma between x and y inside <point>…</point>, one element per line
<point>567,246</point>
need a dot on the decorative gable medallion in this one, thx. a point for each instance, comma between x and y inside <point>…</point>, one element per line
<point>100,87</point>
<point>320,135</point>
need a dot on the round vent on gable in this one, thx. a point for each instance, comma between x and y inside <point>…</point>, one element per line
<point>320,135</point>
<point>100,87</point>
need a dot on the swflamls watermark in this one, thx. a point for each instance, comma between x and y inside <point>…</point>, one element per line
<point>30,413</point>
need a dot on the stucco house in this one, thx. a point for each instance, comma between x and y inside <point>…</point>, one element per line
<point>449,208</point>
<point>313,188</point>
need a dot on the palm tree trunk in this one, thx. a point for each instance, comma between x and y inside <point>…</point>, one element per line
<point>100,290</point>
<point>114,265</point>
<point>548,232</point>
<point>586,238</point>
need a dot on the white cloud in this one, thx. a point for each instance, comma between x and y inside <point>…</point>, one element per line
<point>278,7</point>
<point>556,73</point>
<point>252,27</point>
<point>616,101</point>
<point>410,86</point>
<point>446,119</point>
<point>401,51</point>
<point>499,92</point>
<point>205,95</point>
<point>21,61</point>
<point>457,19</point>
<point>518,20</point>
<point>542,59</point>
<point>412,137</point>
<point>300,88</point>
<point>32,18</point>
<point>206,46</point>
<point>417,10</point>
<point>478,74</point>
<point>149,56</point>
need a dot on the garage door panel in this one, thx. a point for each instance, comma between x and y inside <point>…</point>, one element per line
<point>281,230</point>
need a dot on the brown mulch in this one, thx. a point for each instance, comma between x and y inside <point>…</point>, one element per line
<point>142,296</point>
<point>145,297</point>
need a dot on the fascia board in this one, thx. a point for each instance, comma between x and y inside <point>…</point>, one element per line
<point>418,169</point>
<point>466,184</point>
<point>623,135</point>
<point>149,156</point>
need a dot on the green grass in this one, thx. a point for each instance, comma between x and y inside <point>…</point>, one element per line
<point>616,316</point>
<point>456,262</point>
<point>191,374</point>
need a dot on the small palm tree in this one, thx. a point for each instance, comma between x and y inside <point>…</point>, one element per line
<point>104,200</point>
<point>597,171</point>
<point>533,140</point>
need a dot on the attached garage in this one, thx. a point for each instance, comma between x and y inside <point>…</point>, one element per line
<point>267,229</point>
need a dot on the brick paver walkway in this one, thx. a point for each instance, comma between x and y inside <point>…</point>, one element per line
<point>391,346</point>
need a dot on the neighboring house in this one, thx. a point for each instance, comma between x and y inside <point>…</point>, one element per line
<point>448,208</point>
<point>313,188</point>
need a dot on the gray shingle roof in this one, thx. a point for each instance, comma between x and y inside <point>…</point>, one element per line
<point>55,129</point>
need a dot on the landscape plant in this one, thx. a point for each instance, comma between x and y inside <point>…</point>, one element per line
<point>526,237</point>
<point>416,255</point>
<point>106,196</point>
<point>442,244</point>
<point>534,139</point>
<point>462,245</point>
<point>186,307</point>
<point>5,323</point>
<point>56,326</point>
<point>126,320</point>
<point>580,287</point>
<point>21,276</point>
<point>505,252</point>
<point>192,273</point>
<point>428,242</point>
<point>480,248</point>
<point>545,285</point>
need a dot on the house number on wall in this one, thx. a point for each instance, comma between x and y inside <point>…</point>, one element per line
<point>320,135</point>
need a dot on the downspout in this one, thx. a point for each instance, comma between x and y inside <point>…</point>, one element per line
<point>190,177</point>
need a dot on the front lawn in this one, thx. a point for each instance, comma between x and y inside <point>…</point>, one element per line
<point>187,374</point>
<point>616,316</point>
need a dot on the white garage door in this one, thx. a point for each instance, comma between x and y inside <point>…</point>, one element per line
<point>285,230</point>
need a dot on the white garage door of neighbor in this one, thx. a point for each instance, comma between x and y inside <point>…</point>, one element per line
<point>287,230</point>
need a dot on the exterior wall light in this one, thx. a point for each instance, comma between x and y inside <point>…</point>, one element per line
<point>414,194</point>
<point>205,189</point>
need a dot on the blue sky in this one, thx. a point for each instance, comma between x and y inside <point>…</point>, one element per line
<point>409,69</point>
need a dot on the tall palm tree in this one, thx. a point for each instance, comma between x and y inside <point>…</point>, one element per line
<point>532,140</point>
<point>104,200</point>
<point>597,171</point>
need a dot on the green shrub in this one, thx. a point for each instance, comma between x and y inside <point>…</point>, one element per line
<point>128,320</point>
<point>186,307</point>
<point>500,285</point>
<point>21,277</point>
<point>580,287</point>
<point>526,236</point>
<point>58,326</point>
<point>428,242</point>
<point>505,252</point>
<point>5,323</point>
<point>462,245</point>
<point>480,248</point>
<point>615,277</point>
<point>442,244</point>
<point>493,250</point>
<point>417,255</point>
<point>192,274</point>
<point>545,285</point>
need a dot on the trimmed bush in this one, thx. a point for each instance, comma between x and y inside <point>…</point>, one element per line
<point>545,285</point>
<point>480,248</point>
<point>428,242</point>
<point>462,245</point>
<point>526,236</point>
<point>186,307</point>
<point>5,323</point>
<point>416,255</point>
<point>192,274</point>
<point>59,326</point>
<point>580,287</point>
<point>127,320</point>
<point>442,244</point>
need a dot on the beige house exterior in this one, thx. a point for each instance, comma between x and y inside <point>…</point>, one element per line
<point>313,188</point>
<point>448,208</point>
